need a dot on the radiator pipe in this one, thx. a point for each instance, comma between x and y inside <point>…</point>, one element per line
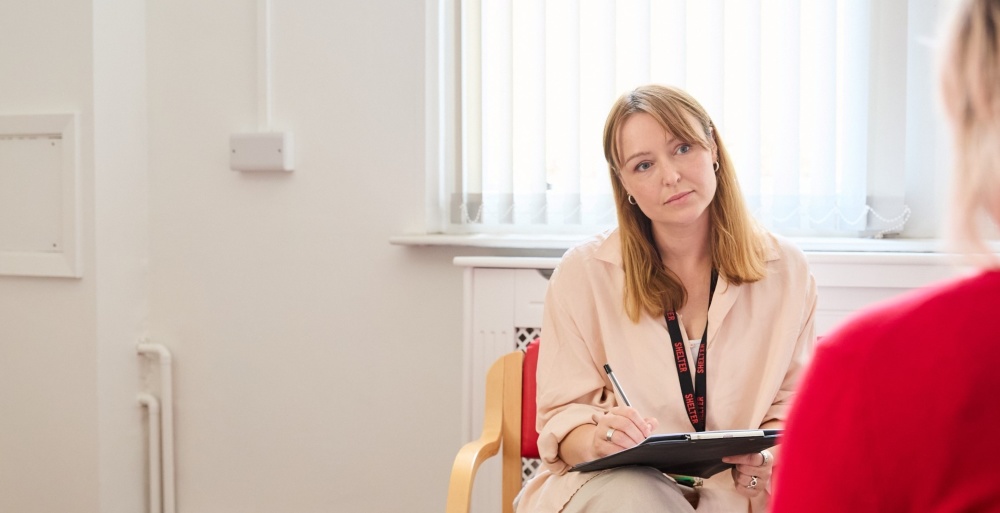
<point>155,478</point>
<point>166,418</point>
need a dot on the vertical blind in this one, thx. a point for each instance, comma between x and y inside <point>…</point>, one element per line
<point>785,81</point>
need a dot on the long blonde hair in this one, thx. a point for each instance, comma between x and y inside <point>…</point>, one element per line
<point>970,83</point>
<point>737,244</point>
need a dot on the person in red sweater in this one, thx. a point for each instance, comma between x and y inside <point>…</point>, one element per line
<point>900,409</point>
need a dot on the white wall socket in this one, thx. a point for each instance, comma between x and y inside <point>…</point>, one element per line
<point>262,151</point>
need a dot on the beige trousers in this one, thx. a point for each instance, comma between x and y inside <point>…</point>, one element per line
<point>632,489</point>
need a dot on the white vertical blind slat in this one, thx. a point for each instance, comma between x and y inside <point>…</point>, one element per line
<point>741,94</point>
<point>668,41</point>
<point>853,29</point>
<point>888,117</point>
<point>632,44</point>
<point>597,91</point>
<point>704,55</point>
<point>498,109</point>
<point>562,33</point>
<point>471,174</point>
<point>779,75</point>
<point>818,158</point>
<point>528,82</point>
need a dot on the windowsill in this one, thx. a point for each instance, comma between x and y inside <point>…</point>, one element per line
<point>564,242</point>
<point>491,240</point>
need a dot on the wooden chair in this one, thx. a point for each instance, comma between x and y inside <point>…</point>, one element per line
<point>509,425</point>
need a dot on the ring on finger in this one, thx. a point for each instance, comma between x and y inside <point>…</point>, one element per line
<point>766,454</point>
<point>609,434</point>
<point>753,483</point>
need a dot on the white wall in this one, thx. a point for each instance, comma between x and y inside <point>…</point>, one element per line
<point>121,232</point>
<point>317,367</point>
<point>48,327</point>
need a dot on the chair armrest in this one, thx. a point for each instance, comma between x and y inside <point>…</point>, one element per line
<point>472,454</point>
<point>463,472</point>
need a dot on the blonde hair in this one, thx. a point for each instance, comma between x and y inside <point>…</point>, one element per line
<point>737,244</point>
<point>970,86</point>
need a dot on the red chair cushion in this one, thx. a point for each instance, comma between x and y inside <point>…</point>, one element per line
<point>529,437</point>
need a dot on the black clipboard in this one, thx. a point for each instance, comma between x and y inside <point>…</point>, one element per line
<point>691,454</point>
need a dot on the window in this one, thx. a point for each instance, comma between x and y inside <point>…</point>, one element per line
<point>827,107</point>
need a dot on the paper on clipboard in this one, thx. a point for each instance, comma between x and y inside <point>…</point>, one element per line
<point>697,454</point>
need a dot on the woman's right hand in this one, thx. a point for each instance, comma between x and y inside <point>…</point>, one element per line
<point>621,428</point>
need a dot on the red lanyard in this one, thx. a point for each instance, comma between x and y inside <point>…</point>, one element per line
<point>693,394</point>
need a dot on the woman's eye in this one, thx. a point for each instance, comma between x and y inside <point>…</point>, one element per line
<point>643,166</point>
<point>684,148</point>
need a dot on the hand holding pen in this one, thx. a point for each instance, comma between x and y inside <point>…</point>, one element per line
<point>684,480</point>
<point>622,427</point>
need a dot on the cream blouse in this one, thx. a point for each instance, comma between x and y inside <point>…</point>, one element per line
<point>760,336</point>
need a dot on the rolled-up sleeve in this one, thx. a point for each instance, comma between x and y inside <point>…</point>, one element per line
<point>801,355</point>
<point>571,392</point>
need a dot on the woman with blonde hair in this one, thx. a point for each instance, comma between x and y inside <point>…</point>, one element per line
<point>900,410</point>
<point>687,277</point>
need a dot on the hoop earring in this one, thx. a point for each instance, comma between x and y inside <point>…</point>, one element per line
<point>631,200</point>
<point>715,166</point>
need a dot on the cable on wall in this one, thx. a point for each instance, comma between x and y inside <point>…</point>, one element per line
<point>265,149</point>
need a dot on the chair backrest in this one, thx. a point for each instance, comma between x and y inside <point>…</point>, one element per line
<point>529,436</point>
<point>508,428</point>
<point>519,438</point>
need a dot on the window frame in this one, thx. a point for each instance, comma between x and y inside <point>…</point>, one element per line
<point>924,151</point>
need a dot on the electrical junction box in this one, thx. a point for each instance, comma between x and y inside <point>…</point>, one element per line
<point>261,151</point>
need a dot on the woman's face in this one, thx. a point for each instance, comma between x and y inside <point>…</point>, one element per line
<point>672,180</point>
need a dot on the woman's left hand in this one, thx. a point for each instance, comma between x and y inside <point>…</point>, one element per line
<point>752,472</point>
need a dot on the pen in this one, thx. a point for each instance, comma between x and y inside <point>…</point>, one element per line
<point>618,388</point>
<point>688,480</point>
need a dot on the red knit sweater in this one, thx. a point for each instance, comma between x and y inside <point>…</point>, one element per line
<point>900,409</point>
